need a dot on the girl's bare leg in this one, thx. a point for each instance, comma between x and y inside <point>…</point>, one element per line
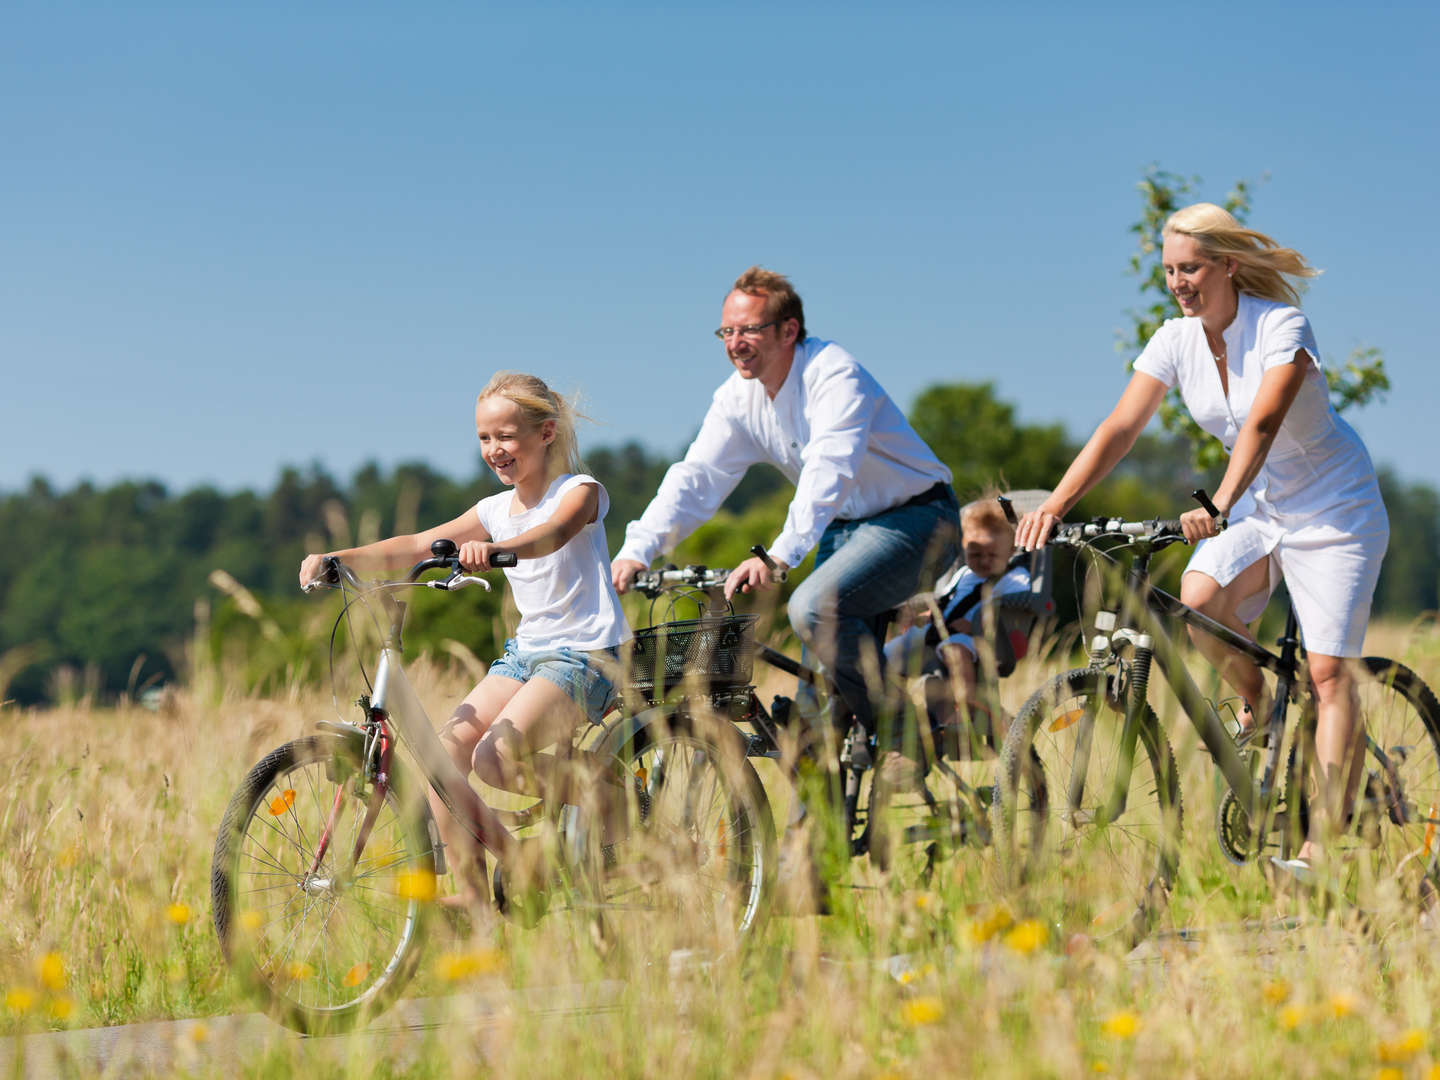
<point>460,735</point>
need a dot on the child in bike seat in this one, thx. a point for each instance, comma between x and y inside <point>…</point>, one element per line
<point>965,599</point>
<point>560,667</point>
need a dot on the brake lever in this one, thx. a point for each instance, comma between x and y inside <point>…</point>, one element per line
<point>458,580</point>
<point>1200,496</point>
<point>764,556</point>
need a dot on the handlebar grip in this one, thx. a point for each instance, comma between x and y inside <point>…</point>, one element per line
<point>501,559</point>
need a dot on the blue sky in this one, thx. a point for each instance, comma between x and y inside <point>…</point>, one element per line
<point>236,238</point>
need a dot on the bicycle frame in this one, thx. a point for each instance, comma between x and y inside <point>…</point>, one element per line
<point>1147,607</point>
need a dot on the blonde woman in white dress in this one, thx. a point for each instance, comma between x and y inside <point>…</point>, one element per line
<point>1300,492</point>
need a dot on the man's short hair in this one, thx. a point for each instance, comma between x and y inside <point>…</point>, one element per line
<point>986,513</point>
<point>781,300</point>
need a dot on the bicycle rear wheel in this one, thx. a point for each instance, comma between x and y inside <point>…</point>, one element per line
<point>1093,874</point>
<point>699,848</point>
<point>325,940</point>
<point>1390,854</point>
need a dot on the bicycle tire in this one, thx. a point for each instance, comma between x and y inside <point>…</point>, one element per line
<point>701,841</point>
<point>1390,851</point>
<point>1105,880</point>
<point>322,949</point>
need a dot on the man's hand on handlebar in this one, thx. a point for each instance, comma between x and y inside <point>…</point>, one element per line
<point>622,573</point>
<point>754,573</point>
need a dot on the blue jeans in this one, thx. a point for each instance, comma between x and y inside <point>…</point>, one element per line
<point>863,569</point>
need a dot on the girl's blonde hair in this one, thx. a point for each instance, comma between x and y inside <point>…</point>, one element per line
<point>538,403</point>
<point>1263,264</point>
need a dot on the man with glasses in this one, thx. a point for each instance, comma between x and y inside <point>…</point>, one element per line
<point>870,496</point>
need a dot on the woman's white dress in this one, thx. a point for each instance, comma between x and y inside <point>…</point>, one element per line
<point>1315,507</point>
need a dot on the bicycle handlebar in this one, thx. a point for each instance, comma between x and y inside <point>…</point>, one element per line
<point>1157,530</point>
<point>444,557</point>
<point>654,582</point>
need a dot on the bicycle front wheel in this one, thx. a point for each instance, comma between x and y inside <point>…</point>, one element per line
<point>1089,840</point>
<point>320,886</point>
<point>699,850</point>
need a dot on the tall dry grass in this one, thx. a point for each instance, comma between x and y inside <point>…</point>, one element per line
<point>109,818</point>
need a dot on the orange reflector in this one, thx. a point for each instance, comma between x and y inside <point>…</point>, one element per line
<point>643,775</point>
<point>1430,830</point>
<point>1064,720</point>
<point>356,975</point>
<point>281,803</point>
<point>720,839</point>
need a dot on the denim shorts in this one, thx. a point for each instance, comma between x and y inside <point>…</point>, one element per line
<point>582,675</point>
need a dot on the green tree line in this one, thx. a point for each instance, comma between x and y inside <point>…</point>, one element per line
<point>108,590</point>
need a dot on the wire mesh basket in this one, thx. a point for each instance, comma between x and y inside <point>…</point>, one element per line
<point>718,651</point>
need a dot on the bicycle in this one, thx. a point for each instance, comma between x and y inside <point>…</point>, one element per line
<point>830,739</point>
<point>1087,809</point>
<point>325,867</point>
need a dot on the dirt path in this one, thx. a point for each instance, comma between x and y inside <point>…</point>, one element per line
<point>219,1043</point>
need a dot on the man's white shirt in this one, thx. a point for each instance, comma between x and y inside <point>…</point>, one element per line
<point>833,432</point>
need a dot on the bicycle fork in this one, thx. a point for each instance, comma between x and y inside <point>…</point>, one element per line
<point>378,749</point>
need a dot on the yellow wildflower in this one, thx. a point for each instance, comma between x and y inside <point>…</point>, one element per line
<point>1342,1005</point>
<point>459,966</point>
<point>51,971</point>
<point>1291,1017</point>
<point>986,927</point>
<point>179,914</point>
<point>1027,936</point>
<point>1121,1025</point>
<point>1389,1072</point>
<point>415,885</point>
<point>61,1007</point>
<point>923,901</point>
<point>249,921</point>
<point>19,1000</point>
<point>1099,1066</point>
<point>922,1010</point>
<point>1398,1051</point>
<point>1276,991</point>
<point>199,1032</point>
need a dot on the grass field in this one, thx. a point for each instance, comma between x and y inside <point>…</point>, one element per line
<point>110,816</point>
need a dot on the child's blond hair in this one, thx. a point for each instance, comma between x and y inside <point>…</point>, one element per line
<point>538,403</point>
<point>986,512</point>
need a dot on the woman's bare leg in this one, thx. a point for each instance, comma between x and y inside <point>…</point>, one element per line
<point>1339,754</point>
<point>1220,602</point>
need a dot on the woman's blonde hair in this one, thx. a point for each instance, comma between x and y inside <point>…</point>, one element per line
<point>538,403</point>
<point>1263,264</point>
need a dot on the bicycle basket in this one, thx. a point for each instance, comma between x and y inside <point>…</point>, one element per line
<point>717,651</point>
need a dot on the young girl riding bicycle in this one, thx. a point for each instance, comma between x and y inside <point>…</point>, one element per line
<point>559,668</point>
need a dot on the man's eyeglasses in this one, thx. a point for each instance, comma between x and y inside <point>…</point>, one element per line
<point>725,333</point>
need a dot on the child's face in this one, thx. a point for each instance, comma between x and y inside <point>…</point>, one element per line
<point>514,449</point>
<point>987,550</point>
